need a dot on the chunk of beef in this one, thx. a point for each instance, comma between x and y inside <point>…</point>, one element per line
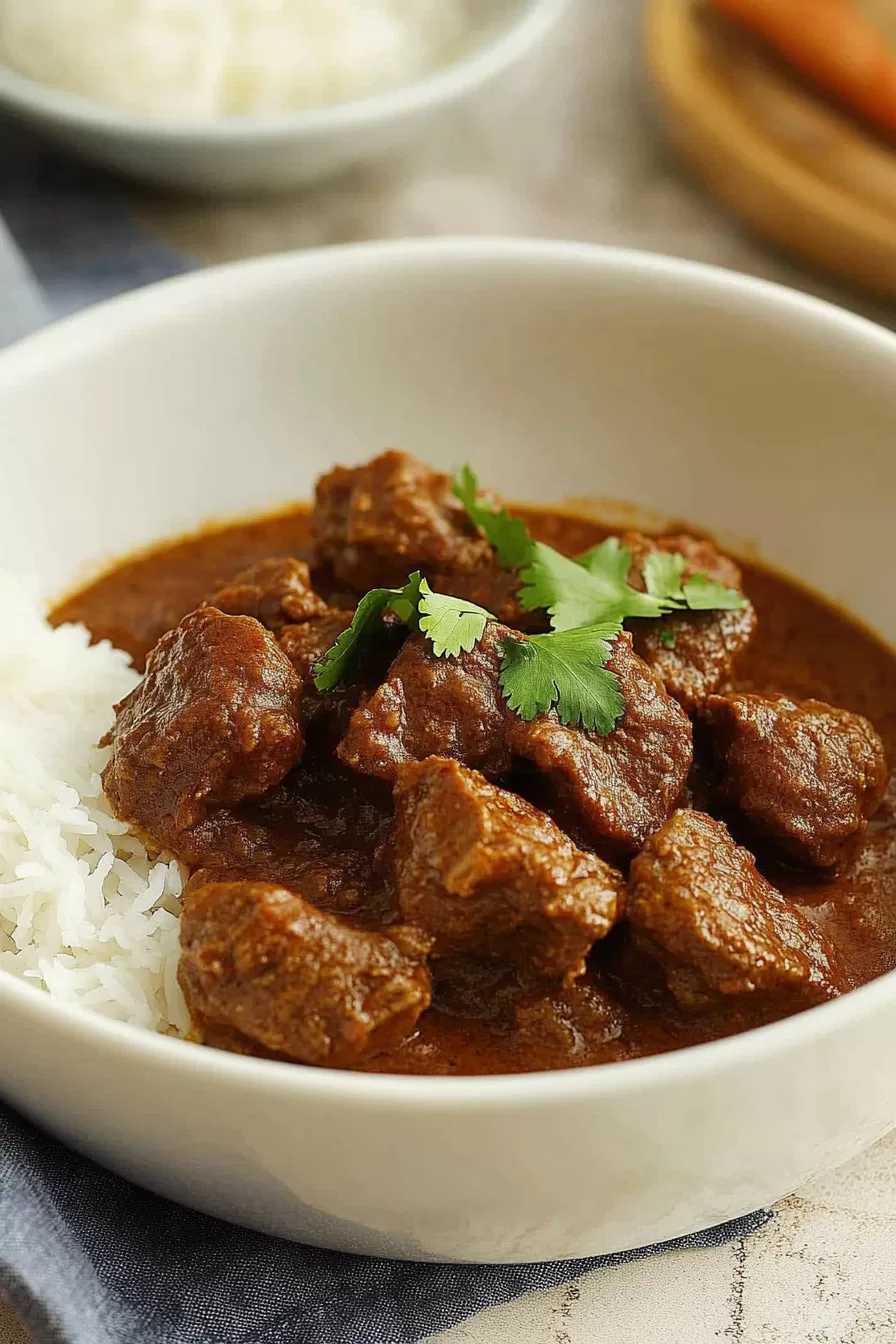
<point>261,960</point>
<point>487,874</point>
<point>804,775</point>
<point>216,719</point>
<point>276,592</point>
<point>699,906</point>
<point>429,706</point>
<point>702,658</point>
<point>694,652</point>
<point>623,786</point>
<point>374,524</point>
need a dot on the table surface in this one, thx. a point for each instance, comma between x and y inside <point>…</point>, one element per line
<point>583,160</point>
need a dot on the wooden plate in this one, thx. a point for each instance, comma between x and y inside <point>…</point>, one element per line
<point>800,173</point>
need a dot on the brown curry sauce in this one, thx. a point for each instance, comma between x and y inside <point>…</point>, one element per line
<point>804,647</point>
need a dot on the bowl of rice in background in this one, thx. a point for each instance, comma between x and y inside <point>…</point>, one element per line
<point>238,96</point>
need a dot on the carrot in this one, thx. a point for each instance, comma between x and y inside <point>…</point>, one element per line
<point>831,45</point>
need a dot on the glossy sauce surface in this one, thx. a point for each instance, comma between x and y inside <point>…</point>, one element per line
<point>318,831</point>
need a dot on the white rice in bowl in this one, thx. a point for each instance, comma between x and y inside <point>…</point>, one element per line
<point>86,912</point>
<point>200,59</point>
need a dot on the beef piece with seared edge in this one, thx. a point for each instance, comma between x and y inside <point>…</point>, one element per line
<point>698,906</point>
<point>277,592</point>
<point>216,720</point>
<point>429,706</point>
<point>615,789</point>
<point>373,525</point>
<point>262,961</point>
<point>804,776</point>
<point>487,874</point>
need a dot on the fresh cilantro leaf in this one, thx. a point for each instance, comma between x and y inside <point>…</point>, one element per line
<point>663,572</point>
<point>465,487</point>
<point>588,591</point>
<point>565,671</point>
<point>667,638</point>
<point>701,593</point>
<point>509,535</point>
<point>451,624</point>
<point>341,661</point>
<point>609,559</point>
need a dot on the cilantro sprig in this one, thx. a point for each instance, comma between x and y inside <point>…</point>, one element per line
<point>594,588</point>
<point>588,591</point>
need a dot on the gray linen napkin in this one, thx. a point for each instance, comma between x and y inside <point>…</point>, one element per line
<point>86,1258</point>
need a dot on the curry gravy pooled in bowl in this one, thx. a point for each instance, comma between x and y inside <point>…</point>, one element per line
<point>463,789</point>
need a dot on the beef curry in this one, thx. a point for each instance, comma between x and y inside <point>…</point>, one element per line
<point>415,870</point>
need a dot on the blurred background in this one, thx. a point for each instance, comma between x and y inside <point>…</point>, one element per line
<point>753,134</point>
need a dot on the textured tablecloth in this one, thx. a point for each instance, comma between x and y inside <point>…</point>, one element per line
<point>580,160</point>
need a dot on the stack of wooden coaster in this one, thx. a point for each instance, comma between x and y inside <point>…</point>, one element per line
<point>800,171</point>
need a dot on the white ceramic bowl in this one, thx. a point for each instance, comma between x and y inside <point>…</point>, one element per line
<point>250,155</point>
<point>561,371</point>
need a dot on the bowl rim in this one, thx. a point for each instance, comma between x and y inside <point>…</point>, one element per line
<point>204,291</point>
<point>516,37</point>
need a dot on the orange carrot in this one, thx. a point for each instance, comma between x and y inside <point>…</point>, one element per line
<point>831,45</point>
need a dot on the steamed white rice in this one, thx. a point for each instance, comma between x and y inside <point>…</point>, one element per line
<point>199,59</point>
<point>86,912</point>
